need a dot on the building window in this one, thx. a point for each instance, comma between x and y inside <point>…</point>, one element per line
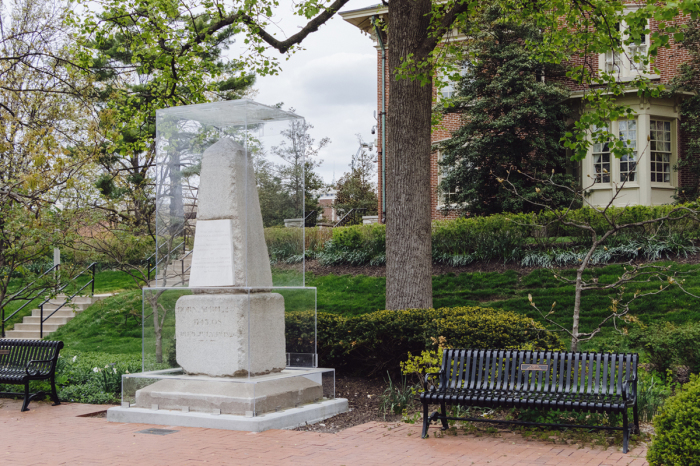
<point>628,163</point>
<point>446,195</point>
<point>629,62</point>
<point>450,89</point>
<point>660,147</point>
<point>601,161</point>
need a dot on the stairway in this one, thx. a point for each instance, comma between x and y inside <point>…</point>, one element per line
<point>173,275</point>
<point>29,329</point>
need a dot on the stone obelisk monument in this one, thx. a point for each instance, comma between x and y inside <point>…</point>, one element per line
<point>232,325</point>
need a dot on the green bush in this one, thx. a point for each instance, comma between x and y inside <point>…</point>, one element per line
<point>373,343</point>
<point>676,441</point>
<point>512,238</point>
<point>357,245</point>
<point>667,345</point>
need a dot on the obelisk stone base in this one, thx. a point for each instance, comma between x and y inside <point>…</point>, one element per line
<point>227,335</point>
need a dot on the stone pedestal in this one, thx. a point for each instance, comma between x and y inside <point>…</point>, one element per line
<point>227,397</point>
<point>230,334</point>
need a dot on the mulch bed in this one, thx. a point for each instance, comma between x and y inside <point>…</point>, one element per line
<point>363,403</point>
<point>317,268</point>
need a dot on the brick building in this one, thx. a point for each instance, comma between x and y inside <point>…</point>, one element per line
<point>650,176</point>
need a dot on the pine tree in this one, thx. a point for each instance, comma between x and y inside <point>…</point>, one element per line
<point>514,113</point>
<point>133,81</point>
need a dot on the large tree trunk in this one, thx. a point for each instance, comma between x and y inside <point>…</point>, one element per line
<point>408,242</point>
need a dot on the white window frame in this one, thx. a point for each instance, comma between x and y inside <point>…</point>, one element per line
<point>615,175</point>
<point>450,89</point>
<point>441,195</point>
<point>631,164</point>
<point>623,65</point>
<point>654,148</point>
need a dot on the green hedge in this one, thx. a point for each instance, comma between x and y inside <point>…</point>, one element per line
<point>502,237</point>
<point>668,345</point>
<point>372,343</point>
<point>676,440</point>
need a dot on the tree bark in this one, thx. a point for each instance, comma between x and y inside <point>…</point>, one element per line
<point>408,241</point>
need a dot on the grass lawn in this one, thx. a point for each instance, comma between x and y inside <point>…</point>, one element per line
<point>113,325</point>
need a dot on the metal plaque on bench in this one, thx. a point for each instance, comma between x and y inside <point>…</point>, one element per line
<point>534,367</point>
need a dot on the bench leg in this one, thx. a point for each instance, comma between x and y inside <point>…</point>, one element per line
<point>443,411</point>
<point>636,420</point>
<point>54,395</point>
<point>26,397</point>
<point>625,431</point>
<point>426,420</point>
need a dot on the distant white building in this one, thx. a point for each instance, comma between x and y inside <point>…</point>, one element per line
<point>327,202</point>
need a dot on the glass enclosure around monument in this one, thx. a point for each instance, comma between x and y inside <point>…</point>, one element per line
<point>229,326</point>
<point>241,161</point>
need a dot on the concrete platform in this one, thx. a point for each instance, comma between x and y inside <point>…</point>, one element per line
<point>286,419</point>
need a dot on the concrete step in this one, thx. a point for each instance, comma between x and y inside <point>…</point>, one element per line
<point>51,320</point>
<point>49,307</point>
<point>22,335</point>
<point>35,327</point>
<point>63,312</point>
<point>170,282</point>
<point>78,300</point>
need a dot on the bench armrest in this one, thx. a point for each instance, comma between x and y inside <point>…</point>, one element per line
<point>426,381</point>
<point>629,389</point>
<point>35,361</point>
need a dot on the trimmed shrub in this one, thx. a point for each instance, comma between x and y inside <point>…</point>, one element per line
<point>501,237</point>
<point>668,345</point>
<point>676,441</point>
<point>372,343</point>
<point>357,245</point>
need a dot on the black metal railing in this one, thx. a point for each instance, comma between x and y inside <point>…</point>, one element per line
<point>351,216</point>
<point>311,219</point>
<point>90,267</point>
<point>153,258</point>
<point>30,299</point>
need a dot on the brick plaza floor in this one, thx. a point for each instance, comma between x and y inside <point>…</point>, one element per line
<point>49,435</point>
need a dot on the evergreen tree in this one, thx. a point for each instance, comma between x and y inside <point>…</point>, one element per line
<point>514,116</point>
<point>356,189</point>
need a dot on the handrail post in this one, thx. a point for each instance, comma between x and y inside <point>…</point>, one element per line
<point>94,264</point>
<point>57,278</point>
<point>41,322</point>
<point>3,323</point>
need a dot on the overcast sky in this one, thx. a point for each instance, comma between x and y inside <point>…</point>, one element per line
<point>333,84</point>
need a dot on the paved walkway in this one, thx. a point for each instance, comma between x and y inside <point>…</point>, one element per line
<point>57,435</point>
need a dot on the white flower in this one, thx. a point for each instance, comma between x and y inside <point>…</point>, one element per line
<point>114,369</point>
<point>107,366</point>
<point>128,372</point>
<point>96,370</point>
<point>75,358</point>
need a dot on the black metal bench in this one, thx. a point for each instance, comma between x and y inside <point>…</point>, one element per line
<point>22,361</point>
<point>591,382</point>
